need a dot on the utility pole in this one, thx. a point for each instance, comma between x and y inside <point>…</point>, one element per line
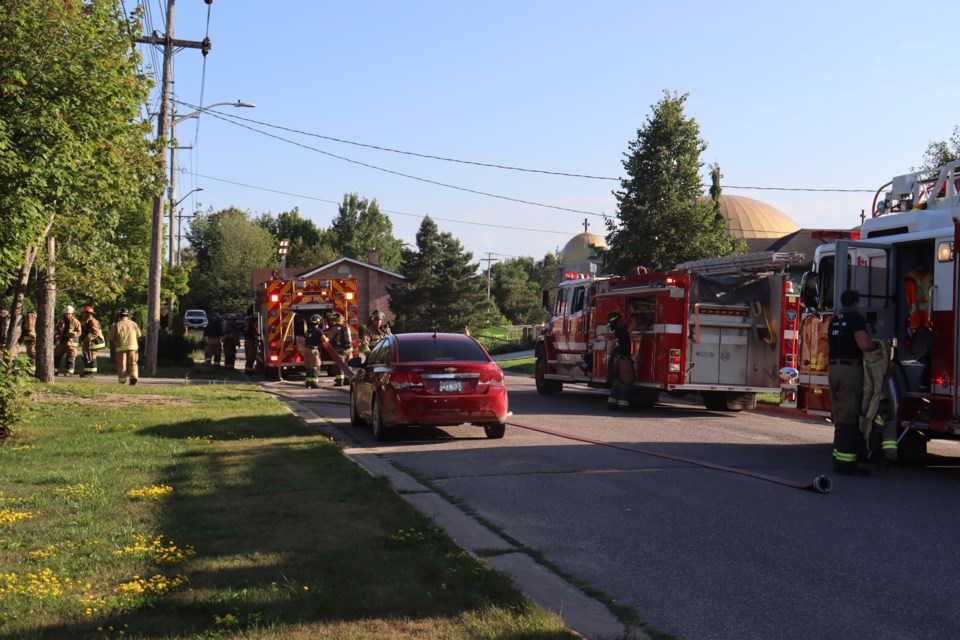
<point>156,229</point>
<point>489,260</point>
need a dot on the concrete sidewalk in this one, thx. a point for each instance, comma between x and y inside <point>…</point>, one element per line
<point>581,613</point>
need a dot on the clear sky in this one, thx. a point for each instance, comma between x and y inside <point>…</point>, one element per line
<point>813,95</point>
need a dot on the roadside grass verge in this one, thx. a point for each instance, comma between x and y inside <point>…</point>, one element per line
<point>211,512</point>
<point>523,365</point>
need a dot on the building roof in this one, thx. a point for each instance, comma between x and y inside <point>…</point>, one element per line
<point>350,263</point>
<point>581,248</point>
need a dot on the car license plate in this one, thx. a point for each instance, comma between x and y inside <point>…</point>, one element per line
<point>451,385</point>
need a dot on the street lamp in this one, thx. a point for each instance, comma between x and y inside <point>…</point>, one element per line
<point>172,191</point>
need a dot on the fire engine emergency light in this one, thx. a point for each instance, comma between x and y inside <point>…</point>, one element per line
<point>274,297</point>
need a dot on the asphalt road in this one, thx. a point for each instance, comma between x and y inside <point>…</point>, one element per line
<point>701,553</point>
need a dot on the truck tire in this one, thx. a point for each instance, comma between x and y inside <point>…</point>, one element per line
<point>545,387</point>
<point>913,449</point>
<point>714,400</point>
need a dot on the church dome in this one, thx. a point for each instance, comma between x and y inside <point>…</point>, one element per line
<point>748,218</point>
<point>582,248</point>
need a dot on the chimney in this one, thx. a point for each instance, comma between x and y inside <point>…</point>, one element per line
<point>373,257</point>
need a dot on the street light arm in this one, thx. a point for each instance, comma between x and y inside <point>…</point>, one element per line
<point>177,203</point>
<point>238,103</point>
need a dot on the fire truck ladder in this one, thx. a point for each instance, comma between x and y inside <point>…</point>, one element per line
<point>759,262</point>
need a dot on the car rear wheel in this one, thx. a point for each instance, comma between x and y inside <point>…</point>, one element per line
<point>379,429</point>
<point>355,418</point>
<point>495,430</point>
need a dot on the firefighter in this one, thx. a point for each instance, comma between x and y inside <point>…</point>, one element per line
<point>341,340</point>
<point>231,341</point>
<point>68,331</point>
<point>124,334</point>
<point>213,342</point>
<point>250,344</point>
<point>91,339</point>
<point>30,336</point>
<point>917,285</point>
<point>620,373</point>
<point>375,331</point>
<point>847,341</point>
<point>313,342</point>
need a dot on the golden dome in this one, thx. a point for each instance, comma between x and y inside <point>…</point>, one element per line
<point>582,248</point>
<point>748,218</point>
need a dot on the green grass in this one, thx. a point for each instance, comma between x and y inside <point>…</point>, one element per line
<point>266,530</point>
<point>519,365</point>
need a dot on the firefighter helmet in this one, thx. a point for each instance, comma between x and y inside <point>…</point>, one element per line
<point>123,312</point>
<point>88,309</point>
<point>377,315</point>
<point>68,309</point>
<point>335,318</point>
<point>315,318</point>
<point>231,317</point>
<point>613,318</point>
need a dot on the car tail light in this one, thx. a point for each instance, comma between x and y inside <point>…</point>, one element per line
<point>491,377</point>
<point>403,380</point>
<point>674,360</point>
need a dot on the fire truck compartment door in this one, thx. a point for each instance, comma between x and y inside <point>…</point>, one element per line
<point>720,357</point>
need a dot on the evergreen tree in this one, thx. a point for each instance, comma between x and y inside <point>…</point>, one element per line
<point>444,291</point>
<point>661,220</point>
<point>360,227</point>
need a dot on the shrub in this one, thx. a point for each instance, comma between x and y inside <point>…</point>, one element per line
<point>16,383</point>
<point>176,348</point>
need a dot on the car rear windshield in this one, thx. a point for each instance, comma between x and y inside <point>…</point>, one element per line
<point>440,350</point>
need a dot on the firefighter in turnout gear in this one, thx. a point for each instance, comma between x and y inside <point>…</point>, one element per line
<point>847,340</point>
<point>91,339</point>
<point>313,342</point>
<point>375,331</point>
<point>30,336</point>
<point>250,346</point>
<point>213,341</point>
<point>125,334</point>
<point>917,285</point>
<point>620,372</point>
<point>67,336</point>
<point>341,340</point>
<point>231,341</point>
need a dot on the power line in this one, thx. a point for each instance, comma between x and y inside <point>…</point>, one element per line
<point>506,167</point>
<point>403,175</point>
<point>398,213</point>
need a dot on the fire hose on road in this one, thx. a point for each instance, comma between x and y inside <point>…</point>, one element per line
<point>820,484</point>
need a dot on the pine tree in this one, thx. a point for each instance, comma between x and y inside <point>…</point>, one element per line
<point>443,291</point>
<point>661,219</point>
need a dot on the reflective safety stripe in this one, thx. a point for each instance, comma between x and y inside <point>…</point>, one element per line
<point>623,403</point>
<point>844,457</point>
<point>879,421</point>
<point>889,444</point>
<point>611,400</point>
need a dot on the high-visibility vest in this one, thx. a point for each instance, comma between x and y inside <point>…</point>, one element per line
<point>917,285</point>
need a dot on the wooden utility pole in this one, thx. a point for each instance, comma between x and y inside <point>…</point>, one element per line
<point>489,260</point>
<point>156,229</point>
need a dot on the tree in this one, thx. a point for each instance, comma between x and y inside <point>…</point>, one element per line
<point>660,220</point>
<point>517,286</point>
<point>227,246</point>
<point>74,156</point>
<point>941,152</point>
<point>360,227</point>
<point>444,291</point>
<point>310,245</point>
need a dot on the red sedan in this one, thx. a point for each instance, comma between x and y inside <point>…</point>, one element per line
<point>438,379</point>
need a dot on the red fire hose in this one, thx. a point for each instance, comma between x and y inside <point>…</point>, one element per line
<point>820,484</point>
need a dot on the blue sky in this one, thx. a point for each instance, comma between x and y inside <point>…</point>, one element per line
<point>814,95</point>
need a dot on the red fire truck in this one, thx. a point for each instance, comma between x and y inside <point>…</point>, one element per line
<point>724,327</point>
<point>913,228</point>
<point>283,309</point>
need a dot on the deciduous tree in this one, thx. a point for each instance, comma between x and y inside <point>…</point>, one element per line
<point>360,227</point>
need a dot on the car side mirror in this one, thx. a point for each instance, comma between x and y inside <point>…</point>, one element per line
<point>545,302</point>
